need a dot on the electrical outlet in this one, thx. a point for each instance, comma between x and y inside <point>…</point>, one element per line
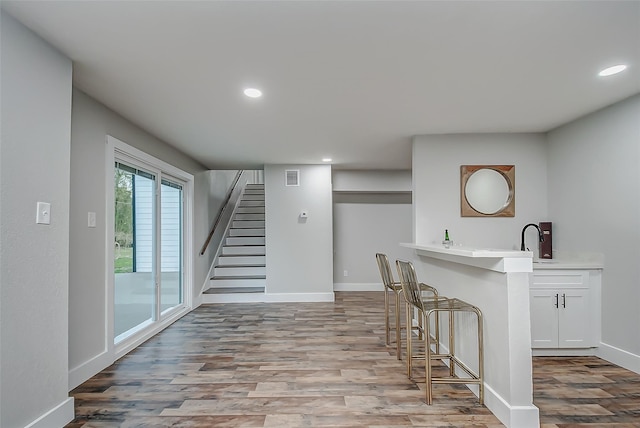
<point>346,273</point>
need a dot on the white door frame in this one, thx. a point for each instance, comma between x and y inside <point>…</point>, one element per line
<point>117,149</point>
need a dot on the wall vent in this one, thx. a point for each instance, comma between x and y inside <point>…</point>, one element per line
<point>292,177</point>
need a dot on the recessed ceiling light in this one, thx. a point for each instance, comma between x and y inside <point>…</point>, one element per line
<point>253,92</point>
<point>326,159</point>
<point>612,70</point>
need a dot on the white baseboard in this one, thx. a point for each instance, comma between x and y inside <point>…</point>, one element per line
<point>577,352</point>
<point>267,297</point>
<point>197,301</point>
<point>357,286</point>
<point>619,357</point>
<point>300,297</point>
<point>89,368</point>
<point>511,416</point>
<point>59,416</point>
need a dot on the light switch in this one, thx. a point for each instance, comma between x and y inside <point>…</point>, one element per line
<point>91,219</point>
<point>44,213</point>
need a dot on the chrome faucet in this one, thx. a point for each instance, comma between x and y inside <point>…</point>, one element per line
<point>540,235</point>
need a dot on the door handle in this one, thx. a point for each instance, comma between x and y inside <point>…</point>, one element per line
<point>564,300</point>
<point>556,300</point>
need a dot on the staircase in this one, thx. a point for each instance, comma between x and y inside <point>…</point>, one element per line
<point>241,266</point>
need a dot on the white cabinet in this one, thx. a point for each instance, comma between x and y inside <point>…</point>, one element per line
<point>564,309</point>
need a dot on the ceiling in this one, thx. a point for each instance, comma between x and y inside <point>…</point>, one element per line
<point>350,80</point>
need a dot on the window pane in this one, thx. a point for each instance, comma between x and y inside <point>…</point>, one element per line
<point>171,245</point>
<point>134,299</point>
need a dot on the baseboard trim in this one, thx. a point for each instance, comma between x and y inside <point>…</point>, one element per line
<point>267,298</point>
<point>59,416</point>
<point>357,286</point>
<point>300,297</point>
<point>619,357</point>
<point>89,368</point>
<point>577,352</point>
<point>511,416</point>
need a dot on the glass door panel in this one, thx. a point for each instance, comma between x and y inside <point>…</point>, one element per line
<point>135,217</point>
<point>170,245</point>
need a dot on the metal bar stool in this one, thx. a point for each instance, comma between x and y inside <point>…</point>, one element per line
<point>425,309</point>
<point>392,286</point>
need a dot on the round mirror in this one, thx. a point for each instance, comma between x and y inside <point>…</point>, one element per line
<point>487,191</point>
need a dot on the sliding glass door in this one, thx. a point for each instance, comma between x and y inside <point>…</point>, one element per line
<point>171,244</point>
<point>148,254</point>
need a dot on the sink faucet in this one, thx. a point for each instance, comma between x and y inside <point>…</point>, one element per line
<point>540,235</point>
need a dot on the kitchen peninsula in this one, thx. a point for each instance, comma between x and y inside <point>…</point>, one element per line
<point>497,282</point>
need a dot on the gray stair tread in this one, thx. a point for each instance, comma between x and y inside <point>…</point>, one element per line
<point>239,277</point>
<point>240,266</point>
<point>229,290</point>
<point>243,255</point>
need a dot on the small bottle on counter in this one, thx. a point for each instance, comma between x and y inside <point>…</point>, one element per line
<point>447,242</point>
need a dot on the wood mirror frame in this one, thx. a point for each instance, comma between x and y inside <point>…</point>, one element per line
<point>506,210</point>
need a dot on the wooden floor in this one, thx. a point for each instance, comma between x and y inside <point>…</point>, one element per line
<point>319,365</point>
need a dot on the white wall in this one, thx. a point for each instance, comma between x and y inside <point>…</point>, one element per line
<point>372,181</point>
<point>362,226</point>
<point>34,258</point>
<point>436,187</point>
<point>91,122</point>
<point>220,182</point>
<point>371,213</point>
<point>299,252</point>
<point>594,202</point>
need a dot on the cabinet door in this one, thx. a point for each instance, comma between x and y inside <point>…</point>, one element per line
<point>544,318</point>
<point>574,325</point>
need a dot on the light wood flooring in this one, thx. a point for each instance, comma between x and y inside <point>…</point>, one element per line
<point>319,365</point>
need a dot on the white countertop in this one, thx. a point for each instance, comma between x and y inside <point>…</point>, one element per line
<point>498,260</point>
<point>469,251</point>
<point>502,260</point>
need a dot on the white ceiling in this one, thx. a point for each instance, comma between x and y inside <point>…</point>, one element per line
<point>353,80</point>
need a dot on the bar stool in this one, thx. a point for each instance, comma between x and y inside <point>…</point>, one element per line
<point>425,309</point>
<point>392,286</point>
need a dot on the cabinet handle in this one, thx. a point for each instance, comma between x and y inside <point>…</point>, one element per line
<point>564,300</point>
<point>556,300</point>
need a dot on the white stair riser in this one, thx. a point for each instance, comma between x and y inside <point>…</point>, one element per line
<point>250,216</point>
<point>250,210</point>
<point>252,197</point>
<point>239,271</point>
<point>254,192</point>
<point>245,240</point>
<point>241,260</point>
<point>251,204</point>
<point>249,249</point>
<point>247,224</point>
<point>240,282</point>
<point>246,232</point>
